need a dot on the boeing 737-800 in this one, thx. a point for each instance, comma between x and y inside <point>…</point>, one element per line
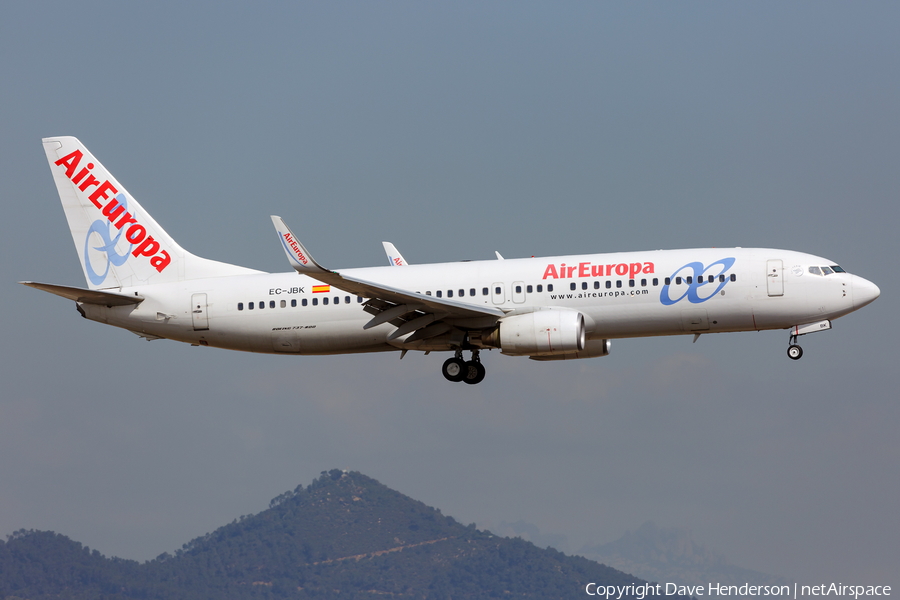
<point>555,308</point>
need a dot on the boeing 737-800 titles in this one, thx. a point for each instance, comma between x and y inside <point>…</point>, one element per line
<point>555,308</point>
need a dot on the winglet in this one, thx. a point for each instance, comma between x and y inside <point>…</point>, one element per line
<point>395,259</point>
<point>498,255</point>
<point>297,255</point>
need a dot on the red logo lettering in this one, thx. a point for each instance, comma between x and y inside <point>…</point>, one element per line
<point>137,233</point>
<point>296,248</point>
<point>586,269</point>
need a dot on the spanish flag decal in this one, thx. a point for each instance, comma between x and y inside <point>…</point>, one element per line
<point>321,288</point>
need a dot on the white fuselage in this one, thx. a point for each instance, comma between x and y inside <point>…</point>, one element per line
<point>629,294</point>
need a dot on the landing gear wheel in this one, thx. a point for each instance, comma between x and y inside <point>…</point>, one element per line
<point>795,352</point>
<point>475,372</point>
<point>454,369</point>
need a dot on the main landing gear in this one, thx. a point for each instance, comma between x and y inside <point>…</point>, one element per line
<point>456,369</point>
<point>794,351</point>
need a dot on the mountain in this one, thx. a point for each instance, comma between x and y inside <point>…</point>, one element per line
<point>346,536</point>
<point>671,555</point>
<point>530,532</point>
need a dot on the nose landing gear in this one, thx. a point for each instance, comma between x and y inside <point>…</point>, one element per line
<point>456,369</point>
<point>794,351</point>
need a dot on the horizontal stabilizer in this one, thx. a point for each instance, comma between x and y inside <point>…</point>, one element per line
<point>86,296</point>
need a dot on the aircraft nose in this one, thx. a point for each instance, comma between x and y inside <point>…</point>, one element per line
<point>864,292</point>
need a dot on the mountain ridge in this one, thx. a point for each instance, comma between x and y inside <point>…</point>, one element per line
<point>344,534</point>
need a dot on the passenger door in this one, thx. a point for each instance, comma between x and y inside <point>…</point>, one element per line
<point>775,277</point>
<point>198,312</point>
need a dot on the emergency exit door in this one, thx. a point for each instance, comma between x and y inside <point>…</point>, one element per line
<point>497,293</point>
<point>198,312</point>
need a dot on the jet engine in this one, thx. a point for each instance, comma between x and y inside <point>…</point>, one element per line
<point>541,333</point>
<point>592,349</point>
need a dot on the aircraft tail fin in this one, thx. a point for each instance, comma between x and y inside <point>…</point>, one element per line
<point>119,244</point>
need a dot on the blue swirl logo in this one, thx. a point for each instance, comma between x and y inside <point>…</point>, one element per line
<point>103,228</point>
<point>702,286</point>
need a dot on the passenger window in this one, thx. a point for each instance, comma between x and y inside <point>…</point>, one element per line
<point>293,303</point>
<point>656,281</point>
<point>284,304</point>
<point>449,293</point>
<point>643,283</point>
<point>346,299</point>
<point>438,293</point>
<point>337,299</point>
<point>608,284</point>
<point>618,283</point>
<point>540,288</point>
<point>711,279</point>
<point>315,301</point>
<point>428,293</point>
<point>325,301</point>
<point>262,305</point>
<point>359,299</point>
<point>549,287</point>
<point>471,291</point>
<point>722,278</point>
<point>677,280</point>
<point>498,290</point>
<point>596,285</point>
<point>572,286</point>
<point>668,280</point>
<point>484,291</point>
<point>733,277</point>
<point>518,289</point>
<point>250,306</point>
<point>303,302</point>
<point>528,289</point>
<point>689,279</point>
<point>240,306</point>
<point>462,293</point>
<point>631,283</point>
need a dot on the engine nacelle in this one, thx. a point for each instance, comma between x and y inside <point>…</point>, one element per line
<point>540,333</point>
<point>592,349</point>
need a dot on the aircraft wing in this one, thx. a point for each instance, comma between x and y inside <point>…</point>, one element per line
<point>409,311</point>
<point>395,259</point>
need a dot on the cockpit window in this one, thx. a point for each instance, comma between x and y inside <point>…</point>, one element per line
<point>827,271</point>
<point>837,269</point>
<point>815,270</point>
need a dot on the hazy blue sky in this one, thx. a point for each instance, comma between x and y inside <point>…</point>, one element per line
<point>454,130</point>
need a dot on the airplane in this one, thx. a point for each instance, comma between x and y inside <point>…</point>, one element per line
<point>553,308</point>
